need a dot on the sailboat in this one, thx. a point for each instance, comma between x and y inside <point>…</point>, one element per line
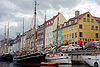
<point>6,57</point>
<point>33,58</point>
<point>63,58</point>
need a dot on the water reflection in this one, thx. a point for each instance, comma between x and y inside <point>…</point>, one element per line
<point>9,64</point>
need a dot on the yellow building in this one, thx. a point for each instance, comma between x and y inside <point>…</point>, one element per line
<point>50,26</point>
<point>81,28</point>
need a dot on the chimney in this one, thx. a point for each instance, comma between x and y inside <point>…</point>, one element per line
<point>77,13</point>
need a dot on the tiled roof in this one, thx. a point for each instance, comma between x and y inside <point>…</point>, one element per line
<point>97,18</point>
<point>52,18</point>
<point>73,19</point>
<point>80,16</point>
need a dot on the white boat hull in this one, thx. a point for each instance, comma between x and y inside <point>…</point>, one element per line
<point>91,60</point>
<point>62,60</point>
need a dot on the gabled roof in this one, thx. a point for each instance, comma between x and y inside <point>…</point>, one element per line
<point>52,18</point>
<point>80,16</point>
<point>97,18</point>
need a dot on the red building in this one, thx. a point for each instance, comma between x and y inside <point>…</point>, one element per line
<point>41,36</point>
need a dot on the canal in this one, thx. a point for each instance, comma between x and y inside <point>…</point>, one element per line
<point>11,64</point>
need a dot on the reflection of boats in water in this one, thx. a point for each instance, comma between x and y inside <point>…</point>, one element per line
<point>92,60</point>
<point>7,57</point>
<point>59,57</point>
<point>35,57</point>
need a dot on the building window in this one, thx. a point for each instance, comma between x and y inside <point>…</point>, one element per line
<point>88,15</point>
<point>75,42</point>
<point>96,35</point>
<point>96,27</point>
<point>67,29</point>
<point>80,34</point>
<point>80,26</point>
<point>92,20</point>
<point>51,21</point>
<point>70,22</point>
<point>72,27</point>
<point>75,26</point>
<point>64,36</point>
<point>47,23</point>
<point>72,35</point>
<point>67,36</point>
<point>84,19</point>
<point>75,34</point>
<point>92,27</point>
<point>76,20</point>
<point>64,24</point>
<point>88,20</point>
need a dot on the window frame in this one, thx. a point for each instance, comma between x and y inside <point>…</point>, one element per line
<point>88,20</point>
<point>96,35</point>
<point>84,19</point>
<point>80,26</point>
<point>92,20</point>
<point>80,34</point>
<point>96,27</point>
<point>92,27</point>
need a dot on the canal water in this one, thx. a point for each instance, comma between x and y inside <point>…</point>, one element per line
<point>11,64</point>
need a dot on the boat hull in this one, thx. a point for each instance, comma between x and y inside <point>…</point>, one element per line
<point>62,60</point>
<point>30,59</point>
<point>91,59</point>
<point>7,58</point>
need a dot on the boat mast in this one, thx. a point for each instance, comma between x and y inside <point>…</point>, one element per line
<point>57,31</point>
<point>23,37</point>
<point>7,38</point>
<point>4,39</point>
<point>44,31</point>
<point>34,25</point>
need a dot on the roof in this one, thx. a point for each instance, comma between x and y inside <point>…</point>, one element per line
<point>52,18</point>
<point>97,18</point>
<point>80,16</point>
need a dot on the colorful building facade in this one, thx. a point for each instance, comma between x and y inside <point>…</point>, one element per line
<point>50,26</point>
<point>81,29</point>
<point>40,36</point>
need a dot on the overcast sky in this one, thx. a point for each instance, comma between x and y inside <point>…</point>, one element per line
<point>13,11</point>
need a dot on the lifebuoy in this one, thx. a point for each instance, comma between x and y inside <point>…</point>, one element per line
<point>95,64</point>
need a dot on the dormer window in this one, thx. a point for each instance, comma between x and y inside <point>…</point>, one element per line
<point>76,20</point>
<point>70,22</point>
<point>47,23</point>
<point>51,21</point>
<point>88,15</point>
<point>64,24</point>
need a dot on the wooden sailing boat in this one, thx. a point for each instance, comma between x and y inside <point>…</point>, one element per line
<point>6,57</point>
<point>32,58</point>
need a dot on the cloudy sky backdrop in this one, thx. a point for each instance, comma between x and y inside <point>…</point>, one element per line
<point>13,11</point>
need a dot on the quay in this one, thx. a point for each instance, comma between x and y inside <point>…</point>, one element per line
<point>76,55</point>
